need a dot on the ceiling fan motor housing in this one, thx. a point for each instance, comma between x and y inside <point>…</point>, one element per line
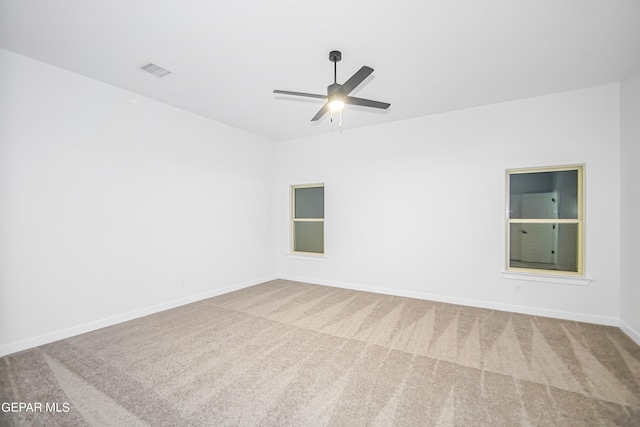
<point>333,88</point>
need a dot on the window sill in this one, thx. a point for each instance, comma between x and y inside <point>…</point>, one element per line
<point>303,257</point>
<point>547,278</point>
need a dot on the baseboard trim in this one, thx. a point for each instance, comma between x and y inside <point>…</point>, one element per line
<point>113,320</point>
<point>28,343</point>
<point>534,311</point>
<point>631,333</point>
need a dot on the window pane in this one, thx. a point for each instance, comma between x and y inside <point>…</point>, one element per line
<point>308,237</point>
<point>544,246</point>
<point>309,202</point>
<point>547,195</point>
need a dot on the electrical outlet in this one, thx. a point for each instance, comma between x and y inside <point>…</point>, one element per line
<point>518,289</point>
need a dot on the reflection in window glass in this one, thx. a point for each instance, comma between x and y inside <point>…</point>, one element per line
<point>544,195</point>
<point>544,246</point>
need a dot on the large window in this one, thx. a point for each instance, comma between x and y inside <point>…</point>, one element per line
<point>307,219</point>
<point>545,228</point>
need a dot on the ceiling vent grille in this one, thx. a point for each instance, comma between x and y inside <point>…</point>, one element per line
<point>156,70</point>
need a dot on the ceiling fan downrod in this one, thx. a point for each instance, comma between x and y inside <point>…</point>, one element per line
<point>335,56</point>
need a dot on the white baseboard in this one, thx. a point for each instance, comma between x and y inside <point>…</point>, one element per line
<point>632,333</point>
<point>113,320</point>
<point>92,326</point>
<point>535,311</point>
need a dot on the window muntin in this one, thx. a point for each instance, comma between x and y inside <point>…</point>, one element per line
<point>307,219</point>
<point>545,226</point>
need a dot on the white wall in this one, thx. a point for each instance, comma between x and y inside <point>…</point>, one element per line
<point>630,206</point>
<point>110,202</point>
<point>417,207</point>
<point>113,205</point>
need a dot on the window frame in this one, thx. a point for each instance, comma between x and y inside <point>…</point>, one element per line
<point>579,220</point>
<point>293,220</point>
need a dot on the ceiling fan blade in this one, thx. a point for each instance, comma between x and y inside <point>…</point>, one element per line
<point>366,102</point>
<point>308,95</point>
<point>321,113</point>
<point>355,80</point>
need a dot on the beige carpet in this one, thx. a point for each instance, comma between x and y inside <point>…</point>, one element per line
<point>286,353</point>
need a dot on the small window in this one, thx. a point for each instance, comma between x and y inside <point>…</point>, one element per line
<point>307,219</point>
<point>545,229</point>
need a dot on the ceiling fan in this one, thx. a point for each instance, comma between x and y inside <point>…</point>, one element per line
<point>338,94</point>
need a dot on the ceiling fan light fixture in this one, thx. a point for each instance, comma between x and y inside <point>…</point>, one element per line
<point>336,104</point>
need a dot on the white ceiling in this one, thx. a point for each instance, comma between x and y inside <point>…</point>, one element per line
<point>429,56</point>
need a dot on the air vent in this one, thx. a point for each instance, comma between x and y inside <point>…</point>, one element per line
<point>156,70</point>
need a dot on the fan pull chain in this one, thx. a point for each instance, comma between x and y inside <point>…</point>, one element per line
<point>339,118</point>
